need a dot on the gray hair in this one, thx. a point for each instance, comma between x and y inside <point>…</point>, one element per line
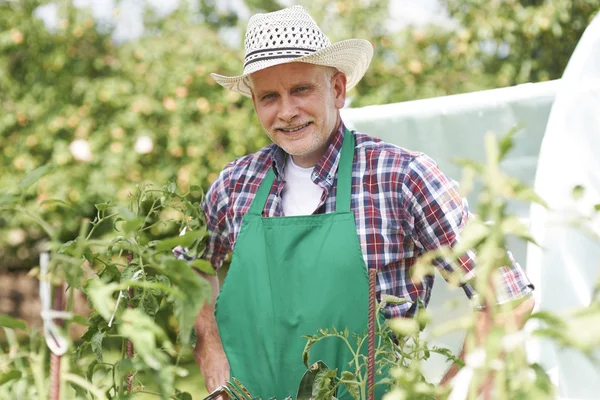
<point>329,73</point>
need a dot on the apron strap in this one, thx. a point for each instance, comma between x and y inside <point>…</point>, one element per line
<point>344,181</point>
<point>258,204</point>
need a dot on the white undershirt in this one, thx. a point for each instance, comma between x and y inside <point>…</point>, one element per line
<point>301,195</point>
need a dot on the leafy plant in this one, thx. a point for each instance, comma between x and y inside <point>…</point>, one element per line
<point>140,295</point>
<point>401,350</point>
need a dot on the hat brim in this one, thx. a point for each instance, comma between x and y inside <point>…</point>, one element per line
<point>352,57</point>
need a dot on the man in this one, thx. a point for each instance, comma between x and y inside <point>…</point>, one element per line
<point>307,216</point>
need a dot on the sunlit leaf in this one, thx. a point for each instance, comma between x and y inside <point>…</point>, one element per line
<point>404,326</point>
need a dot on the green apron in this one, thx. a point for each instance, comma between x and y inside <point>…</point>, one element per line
<point>289,277</point>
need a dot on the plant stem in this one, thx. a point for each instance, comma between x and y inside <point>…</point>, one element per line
<point>97,222</point>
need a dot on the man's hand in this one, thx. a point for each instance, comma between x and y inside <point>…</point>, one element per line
<point>209,353</point>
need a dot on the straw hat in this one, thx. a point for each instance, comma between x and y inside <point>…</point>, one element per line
<point>291,35</point>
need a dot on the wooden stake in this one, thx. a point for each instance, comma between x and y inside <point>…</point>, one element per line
<point>372,322</point>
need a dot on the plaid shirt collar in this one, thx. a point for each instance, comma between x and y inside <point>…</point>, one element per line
<point>325,170</point>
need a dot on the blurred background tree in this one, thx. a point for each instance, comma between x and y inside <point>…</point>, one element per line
<point>113,114</point>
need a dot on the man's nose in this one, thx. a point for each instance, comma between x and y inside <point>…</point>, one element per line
<point>289,109</point>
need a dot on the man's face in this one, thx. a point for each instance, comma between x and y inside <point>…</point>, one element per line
<point>298,106</point>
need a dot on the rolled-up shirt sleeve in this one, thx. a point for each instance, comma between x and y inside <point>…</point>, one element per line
<point>439,214</point>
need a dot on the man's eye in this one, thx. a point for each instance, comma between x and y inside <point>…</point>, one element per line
<point>268,96</point>
<point>302,89</point>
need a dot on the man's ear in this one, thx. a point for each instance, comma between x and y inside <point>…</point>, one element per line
<point>338,84</point>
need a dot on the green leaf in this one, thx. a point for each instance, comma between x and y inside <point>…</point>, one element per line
<point>195,291</point>
<point>7,199</point>
<point>80,319</point>
<point>549,318</point>
<point>144,333</point>
<point>513,226</point>
<point>133,225</point>
<point>527,194</point>
<point>306,351</point>
<point>57,202</point>
<point>179,395</point>
<point>325,384</point>
<point>203,266</point>
<point>183,240</point>
<point>506,143</point>
<point>353,388</point>
<point>389,299</point>
<point>473,165</point>
<point>307,383</point>
<point>126,214</point>
<point>172,187</point>
<point>542,380</point>
<point>577,192</point>
<point>404,326</point>
<point>104,206</point>
<point>35,175</point>
<point>149,304</point>
<point>13,323</point>
<point>96,344</point>
<point>10,376</point>
<point>101,296</point>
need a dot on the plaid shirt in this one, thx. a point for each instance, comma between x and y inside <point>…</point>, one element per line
<point>403,205</point>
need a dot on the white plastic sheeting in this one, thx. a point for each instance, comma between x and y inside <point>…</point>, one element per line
<point>567,265</point>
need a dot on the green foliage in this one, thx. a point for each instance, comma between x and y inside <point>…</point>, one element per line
<point>75,84</point>
<point>129,280</point>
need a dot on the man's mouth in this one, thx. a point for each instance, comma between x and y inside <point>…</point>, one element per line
<point>294,129</point>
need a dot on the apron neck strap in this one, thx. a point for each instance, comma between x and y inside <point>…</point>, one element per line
<point>344,181</point>
<point>258,204</point>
